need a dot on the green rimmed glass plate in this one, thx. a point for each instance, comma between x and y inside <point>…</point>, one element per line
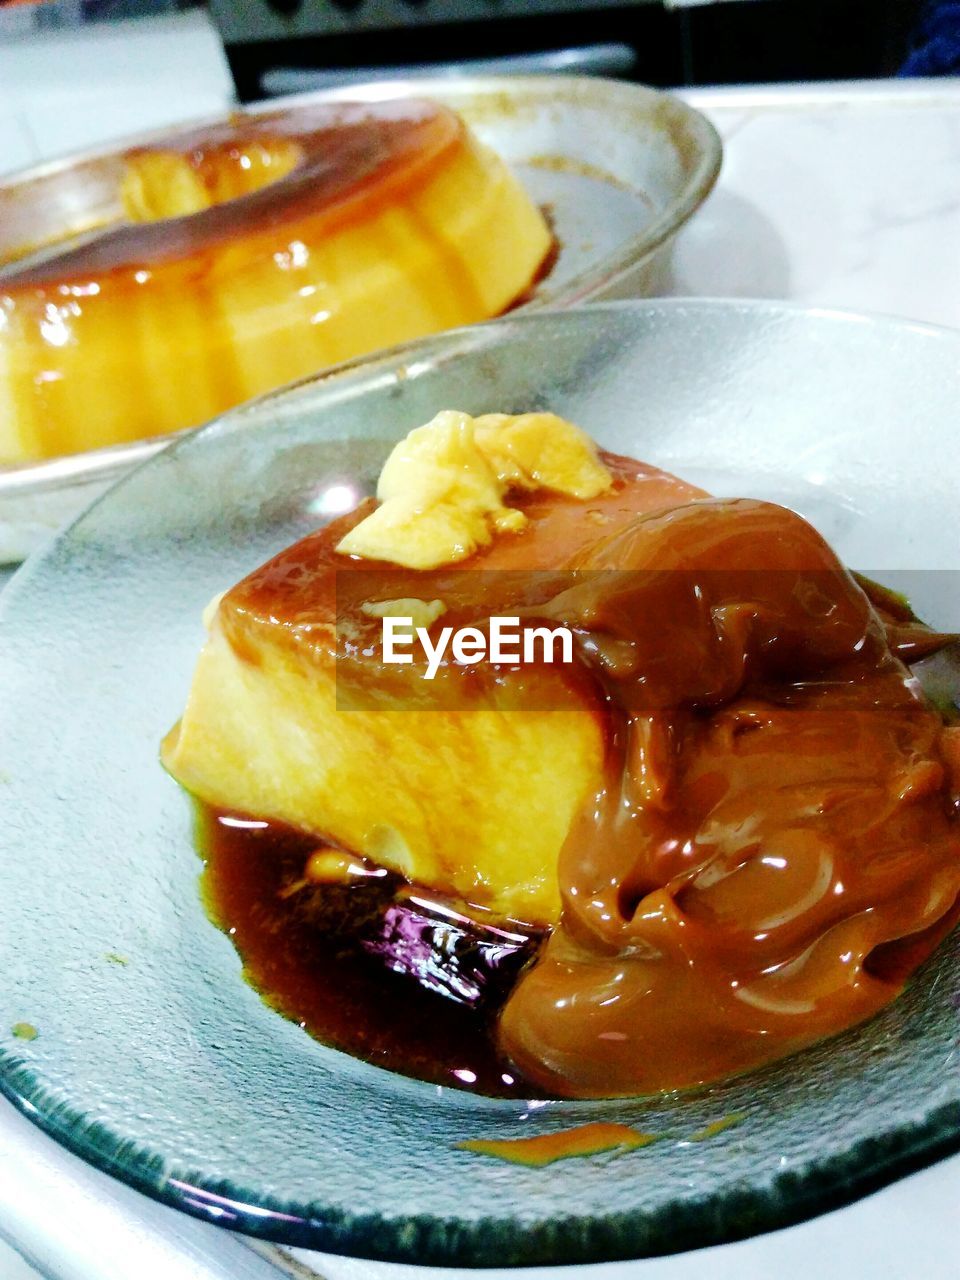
<point>155,1061</point>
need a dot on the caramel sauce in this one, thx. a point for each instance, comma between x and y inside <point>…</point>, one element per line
<point>309,586</point>
<point>777,805</point>
<point>716,1127</point>
<point>407,983</point>
<point>352,156</point>
<point>565,1144</point>
<point>583,1140</point>
<point>545,269</point>
<point>774,843</point>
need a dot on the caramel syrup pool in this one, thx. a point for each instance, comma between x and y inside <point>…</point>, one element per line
<point>373,968</point>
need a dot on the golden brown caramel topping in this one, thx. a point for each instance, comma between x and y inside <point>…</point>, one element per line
<point>775,807</point>
<point>300,587</point>
<point>396,980</point>
<point>583,1140</point>
<point>337,159</point>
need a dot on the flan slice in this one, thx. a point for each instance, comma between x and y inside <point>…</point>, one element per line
<point>734,787</point>
<point>471,792</point>
<point>243,256</point>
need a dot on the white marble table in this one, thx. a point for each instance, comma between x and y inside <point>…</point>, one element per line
<point>838,195</point>
<point>835,195</point>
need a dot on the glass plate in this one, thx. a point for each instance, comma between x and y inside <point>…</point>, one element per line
<point>168,1071</point>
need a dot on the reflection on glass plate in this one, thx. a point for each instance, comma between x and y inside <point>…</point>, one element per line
<point>151,1056</point>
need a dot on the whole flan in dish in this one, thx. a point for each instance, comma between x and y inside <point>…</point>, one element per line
<point>724,827</point>
<point>252,253</point>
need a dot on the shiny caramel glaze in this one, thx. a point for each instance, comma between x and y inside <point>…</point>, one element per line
<point>369,966</point>
<point>351,156</point>
<point>309,587</point>
<point>773,845</point>
<point>331,230</point>
<point>565,1144</point>
<point>776,807</point>
<point>583,1140</point>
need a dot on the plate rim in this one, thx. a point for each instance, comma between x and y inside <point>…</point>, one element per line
<point>496,1241</point>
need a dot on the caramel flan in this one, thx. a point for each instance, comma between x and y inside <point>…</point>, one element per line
<point>726,827</point>
<point>251,253</point>
<point>267,728</point>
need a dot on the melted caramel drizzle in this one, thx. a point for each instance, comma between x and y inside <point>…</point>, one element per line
<point>565,1144</point>
<point>583,1140</point>
<point>775,806</point>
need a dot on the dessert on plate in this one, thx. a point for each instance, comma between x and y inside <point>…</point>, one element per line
<point>240,256</point>
<point>725,826</point>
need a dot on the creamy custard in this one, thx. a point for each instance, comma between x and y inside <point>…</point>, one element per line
<point>254,253</point>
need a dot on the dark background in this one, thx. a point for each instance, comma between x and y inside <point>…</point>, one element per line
<point>742,42</point>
